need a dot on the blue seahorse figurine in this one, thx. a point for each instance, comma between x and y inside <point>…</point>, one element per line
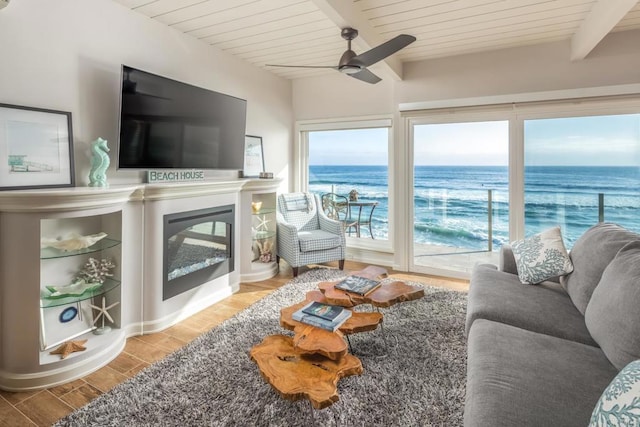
<point>99,163</point>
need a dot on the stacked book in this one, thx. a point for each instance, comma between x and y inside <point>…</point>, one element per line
<point>325,316</point>
<point>358,285</point>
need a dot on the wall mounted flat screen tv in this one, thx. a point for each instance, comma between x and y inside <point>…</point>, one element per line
<point>166,124</point>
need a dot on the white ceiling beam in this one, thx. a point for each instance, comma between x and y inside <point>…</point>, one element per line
<point>345,14</point>
<point>603,17</point>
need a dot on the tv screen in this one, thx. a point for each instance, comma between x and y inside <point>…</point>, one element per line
<point>168,124</point>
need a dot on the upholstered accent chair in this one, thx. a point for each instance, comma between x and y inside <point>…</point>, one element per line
<point>305,234</point>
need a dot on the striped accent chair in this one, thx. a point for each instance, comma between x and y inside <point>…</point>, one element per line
<point>305,234</point>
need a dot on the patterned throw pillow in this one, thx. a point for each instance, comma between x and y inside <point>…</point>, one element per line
<point>541,257</point>
<point>619,404</point>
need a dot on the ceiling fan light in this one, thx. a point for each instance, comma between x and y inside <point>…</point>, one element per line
<point>350,69</point>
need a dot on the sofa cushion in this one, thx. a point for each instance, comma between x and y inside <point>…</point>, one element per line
<point>613,313</point>
<point>590,255</point>
<point>521,378</point>
<point>541,257</point>
<point>317,240</point>
<point>619,404</point>
<point>545,308</point>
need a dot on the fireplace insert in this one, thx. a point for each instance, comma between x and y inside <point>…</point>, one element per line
<point>198,247</point>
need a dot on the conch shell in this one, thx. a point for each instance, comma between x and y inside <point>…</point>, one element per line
<point>73,242</point>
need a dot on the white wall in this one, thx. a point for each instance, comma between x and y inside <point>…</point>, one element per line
<point>338,95</point>
<point>66,55</point>
<point>615,61</point>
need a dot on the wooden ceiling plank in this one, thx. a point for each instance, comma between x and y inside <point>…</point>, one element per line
<point>604,16</point>
<point>513,36</point>
<point>282,34</point>
<point>239,12</point>
<point>300,53</point>
<point>485,47</point>
<point>292,73</point>
<point>292,42</point>
<point>281,50</point>
<point>460,19</point>
<point>423,7</point>
<point>328,59</point>
<point>466,8</point>
<point>632,25</point>
<point>346,14</point>
<point>160,7</point>
<point>256,26</point>
<point>524,22</point>
<point>366,5</point>
<point>199,10</point>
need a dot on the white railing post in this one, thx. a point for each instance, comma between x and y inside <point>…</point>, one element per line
<point>490,219</point>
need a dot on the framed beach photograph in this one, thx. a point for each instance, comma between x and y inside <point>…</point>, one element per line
<point>253,156</point>
<point>36,148</point>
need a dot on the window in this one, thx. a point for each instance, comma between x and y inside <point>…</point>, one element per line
<point>581,170</point>
<point>350,161</point>
<point>570,163</point>
<point>460,192</point>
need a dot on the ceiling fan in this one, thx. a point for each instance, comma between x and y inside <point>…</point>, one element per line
<point>356,65</point>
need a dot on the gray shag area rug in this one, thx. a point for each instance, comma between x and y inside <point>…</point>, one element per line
<point>417,379</point>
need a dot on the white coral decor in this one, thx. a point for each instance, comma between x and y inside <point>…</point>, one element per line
<point>95,271</point>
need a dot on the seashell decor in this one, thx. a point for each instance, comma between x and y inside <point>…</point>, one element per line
<point>73,242</point>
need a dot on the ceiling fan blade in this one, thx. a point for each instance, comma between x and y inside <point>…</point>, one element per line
<point>380,52</point>
<point>366,76</point>
<point>302,66</point>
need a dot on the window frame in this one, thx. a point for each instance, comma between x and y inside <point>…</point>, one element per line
<point>301,168</point>
<point>516,113</point>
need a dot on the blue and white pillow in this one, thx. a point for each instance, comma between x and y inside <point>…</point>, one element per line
<point>619,404</point>
<point>541,257</point>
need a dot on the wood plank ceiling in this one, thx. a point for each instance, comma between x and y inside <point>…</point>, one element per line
<point>307,32</point>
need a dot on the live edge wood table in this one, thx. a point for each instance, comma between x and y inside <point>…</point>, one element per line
<point>310,364</point>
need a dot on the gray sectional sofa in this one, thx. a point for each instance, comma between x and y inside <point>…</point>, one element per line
<point>541,355</point>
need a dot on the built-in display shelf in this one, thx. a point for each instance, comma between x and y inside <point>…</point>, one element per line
<point>131,215</point>
<point>48,302</point>
<point>259,236</point>
<point>101,245</point>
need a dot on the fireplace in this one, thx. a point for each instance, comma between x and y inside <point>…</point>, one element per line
<point>198,247</point>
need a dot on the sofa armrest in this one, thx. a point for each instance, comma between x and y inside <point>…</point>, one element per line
<point>507,260</point>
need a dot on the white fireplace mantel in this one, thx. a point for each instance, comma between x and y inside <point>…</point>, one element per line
<point>139,209</point>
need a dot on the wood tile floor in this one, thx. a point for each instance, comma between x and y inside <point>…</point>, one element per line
<point>46,406</point>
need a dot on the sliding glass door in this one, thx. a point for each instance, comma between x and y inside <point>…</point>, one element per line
<point>460,194</point>
<point>581,170</point>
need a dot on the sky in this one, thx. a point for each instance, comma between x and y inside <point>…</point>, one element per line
<point>576,141</point>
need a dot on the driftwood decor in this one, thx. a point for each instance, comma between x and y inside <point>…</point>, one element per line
<point>295,375</point>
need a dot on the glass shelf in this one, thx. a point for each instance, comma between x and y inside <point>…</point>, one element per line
<point>50,253</point>
<point>262,235</point>
<point>108,285</point>
<point>264,211</point>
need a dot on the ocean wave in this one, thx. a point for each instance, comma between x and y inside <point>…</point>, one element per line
<point>450,203</point>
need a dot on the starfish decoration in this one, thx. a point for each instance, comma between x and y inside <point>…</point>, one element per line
<point>262,226</point>
<point>69,347</point>
<point>102,311</point>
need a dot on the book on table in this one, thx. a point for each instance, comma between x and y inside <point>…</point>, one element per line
<point>325,316</point>
<point>358,285</point>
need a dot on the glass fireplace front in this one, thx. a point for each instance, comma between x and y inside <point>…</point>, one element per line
<point>198,247</point>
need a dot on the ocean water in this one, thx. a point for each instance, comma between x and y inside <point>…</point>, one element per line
<point>452,207</point>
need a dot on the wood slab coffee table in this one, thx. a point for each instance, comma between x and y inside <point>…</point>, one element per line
<point>310,364</point>
<point>295,375</point>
